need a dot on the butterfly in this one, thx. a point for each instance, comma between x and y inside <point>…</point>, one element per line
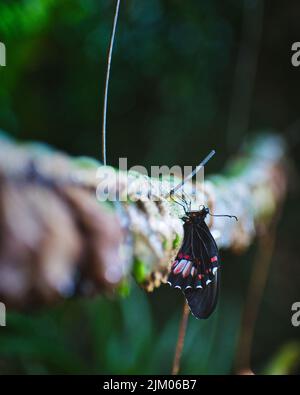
<point>195,270</point>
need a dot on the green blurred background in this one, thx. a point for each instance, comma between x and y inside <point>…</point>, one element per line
<point>186,77</point>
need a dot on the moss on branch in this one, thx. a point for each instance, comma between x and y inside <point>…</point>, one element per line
<point>58,241</point>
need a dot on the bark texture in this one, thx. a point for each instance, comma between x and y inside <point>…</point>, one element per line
<point>57,240</point>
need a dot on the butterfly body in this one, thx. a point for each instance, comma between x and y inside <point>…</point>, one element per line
<point>195,268</point>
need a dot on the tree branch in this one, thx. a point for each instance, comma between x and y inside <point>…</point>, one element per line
<point>58,241</point>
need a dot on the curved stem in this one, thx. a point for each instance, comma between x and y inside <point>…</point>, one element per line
<point>180,340</point>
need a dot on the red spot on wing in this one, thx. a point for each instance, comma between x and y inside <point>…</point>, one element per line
<point>186,271</point>
<point>174,264</point>
<point>214,259</point>
<point>180,266</point>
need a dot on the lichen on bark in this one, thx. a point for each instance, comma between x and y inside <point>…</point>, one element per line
<point>58,241</point>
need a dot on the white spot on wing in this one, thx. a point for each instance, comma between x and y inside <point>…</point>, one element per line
<point>214,271</point>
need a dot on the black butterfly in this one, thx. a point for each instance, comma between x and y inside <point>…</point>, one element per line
<point>196,267</point>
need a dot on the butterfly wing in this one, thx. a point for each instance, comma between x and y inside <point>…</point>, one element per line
<point>203,301</point>
<point>203,298</point>
<point>195,269</point>
<point>183,270</point>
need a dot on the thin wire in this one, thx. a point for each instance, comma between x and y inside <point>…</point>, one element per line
<point>202,164</point>
<point>107,82</point>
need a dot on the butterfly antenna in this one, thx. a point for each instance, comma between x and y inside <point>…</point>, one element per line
<point>225,215</point>
<point>195,171</point>
<point>111,45</point>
